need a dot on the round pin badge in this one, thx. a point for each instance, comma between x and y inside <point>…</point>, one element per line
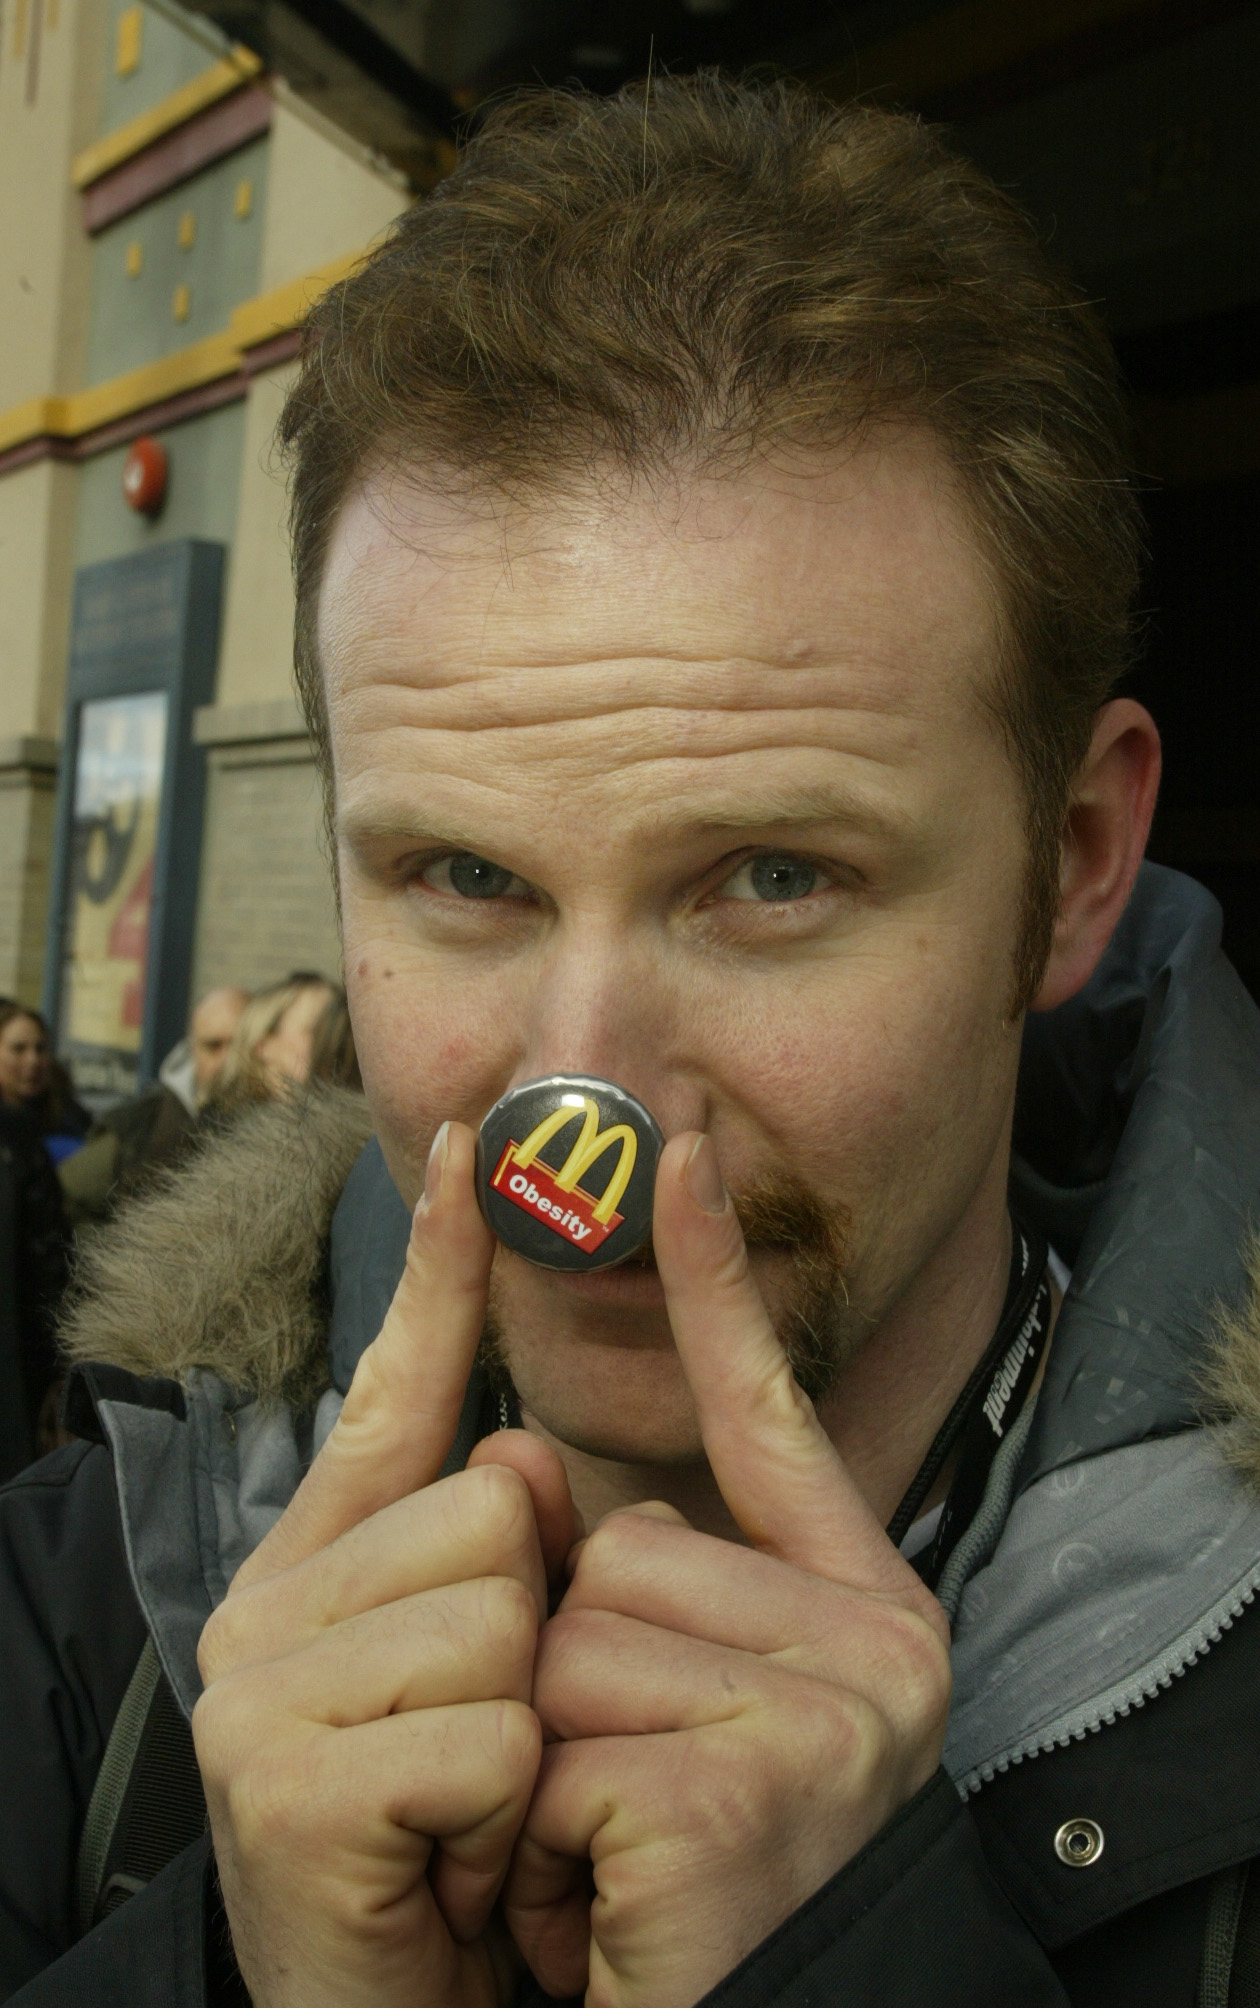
<point>566,1169</point>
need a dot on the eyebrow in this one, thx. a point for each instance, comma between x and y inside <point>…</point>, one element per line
<point>791,807</point>
<point>795,806</point>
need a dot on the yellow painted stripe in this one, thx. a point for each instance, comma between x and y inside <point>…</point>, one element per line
<point>219,355</point>
<point>219,81</point>
<point>967,42</point>
<point>39,415</point>
<point>287,306</point>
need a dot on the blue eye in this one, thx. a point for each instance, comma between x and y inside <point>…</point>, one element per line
<point>471,877</point>
<point>775,877</point>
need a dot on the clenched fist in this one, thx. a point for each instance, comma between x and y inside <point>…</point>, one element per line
<point>366,1735</point>
<point>727,1726</point>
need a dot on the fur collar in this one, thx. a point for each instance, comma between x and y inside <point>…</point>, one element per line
<point>224,1265</point>
<point>1231,1375</point>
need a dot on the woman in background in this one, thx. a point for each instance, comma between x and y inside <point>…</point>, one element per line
<point>272,1046</point>
<point>33,1084</point>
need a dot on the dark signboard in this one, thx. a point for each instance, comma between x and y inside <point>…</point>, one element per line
<point>142,656</point>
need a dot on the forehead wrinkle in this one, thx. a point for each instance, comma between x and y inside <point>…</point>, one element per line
<point>479,708</point>
<point>386,653</point>
<point>660,792</point>
<point>879,659</point>
<point>704,738</point>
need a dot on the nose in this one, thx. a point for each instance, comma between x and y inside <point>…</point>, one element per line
<point>612,1006</point>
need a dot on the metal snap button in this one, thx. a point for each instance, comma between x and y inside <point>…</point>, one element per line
<point>1079,1843</point>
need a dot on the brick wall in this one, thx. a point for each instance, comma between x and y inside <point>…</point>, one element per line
<point>28,783</point>
<point>266,903</point>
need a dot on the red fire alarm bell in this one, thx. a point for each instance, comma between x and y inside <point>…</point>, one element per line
<point>144,476</point>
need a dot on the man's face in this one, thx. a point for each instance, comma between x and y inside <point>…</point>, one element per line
<point>753,849</point>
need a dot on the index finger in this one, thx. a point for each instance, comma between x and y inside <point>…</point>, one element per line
<point>399,1418</point>
<point>777,1469</point>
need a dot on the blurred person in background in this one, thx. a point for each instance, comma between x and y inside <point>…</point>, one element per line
<point>272,1046</point>
<point>333,1057</point>
<point>34,1085</point>
<point>34,1265</point>
<point>151,1131</point>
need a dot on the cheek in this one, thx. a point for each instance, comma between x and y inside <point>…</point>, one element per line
<point>884,1072</point>
<point>430,1050</point>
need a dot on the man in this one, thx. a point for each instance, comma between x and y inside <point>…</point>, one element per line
<point>151,1131</point>
<point>713,562</point>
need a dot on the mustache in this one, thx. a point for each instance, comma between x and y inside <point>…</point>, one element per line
<point>781,1214</point>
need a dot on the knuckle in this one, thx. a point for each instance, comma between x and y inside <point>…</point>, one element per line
<point>231,1722</point>
<point>510,1613</point>
<point>220,1645</point>
<point>740,1790</point>
<point>262,1774</point>
<point>615,1544</point>
<point>562,1661</point>
<point>518,1744</point>
<point>500,1501</point>
<point>919,1669</point>
<point>833,1737</point>
<point>236,1631</point>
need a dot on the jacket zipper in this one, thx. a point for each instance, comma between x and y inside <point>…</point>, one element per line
<point>1193,1644</point>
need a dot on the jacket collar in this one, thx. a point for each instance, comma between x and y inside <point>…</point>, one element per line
<point>1137,1145</point>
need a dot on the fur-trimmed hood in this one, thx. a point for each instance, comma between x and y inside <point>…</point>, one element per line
<point>225,1265</point>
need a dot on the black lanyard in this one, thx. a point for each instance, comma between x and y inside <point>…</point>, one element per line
<point>986,1408</point>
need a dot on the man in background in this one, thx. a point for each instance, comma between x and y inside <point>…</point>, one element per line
<point>151,1131</point>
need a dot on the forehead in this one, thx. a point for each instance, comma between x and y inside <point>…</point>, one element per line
<point>20,1029</point>
<point>862,563</point>
<point>216,1019</point>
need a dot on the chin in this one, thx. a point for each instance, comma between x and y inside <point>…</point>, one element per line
<point>620,1412</point>
<point>602,1377</point>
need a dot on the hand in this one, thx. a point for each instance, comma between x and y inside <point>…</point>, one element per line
<point>365,1735</point>
<point>734,1723</point>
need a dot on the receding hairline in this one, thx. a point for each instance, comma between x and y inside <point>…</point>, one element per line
<point>724,260</point>
<point>465,497</point>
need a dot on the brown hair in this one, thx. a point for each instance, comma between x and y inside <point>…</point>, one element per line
<point>695,276</point>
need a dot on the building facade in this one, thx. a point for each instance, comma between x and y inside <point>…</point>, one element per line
<point>167,215</point>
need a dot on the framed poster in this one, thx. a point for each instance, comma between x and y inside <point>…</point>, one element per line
<point>131,791</point>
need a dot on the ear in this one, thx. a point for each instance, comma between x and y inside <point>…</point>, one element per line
<point>1108,822</point>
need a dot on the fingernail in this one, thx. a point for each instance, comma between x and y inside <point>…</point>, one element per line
<point>704,1177</point>
<point>437,1164</point>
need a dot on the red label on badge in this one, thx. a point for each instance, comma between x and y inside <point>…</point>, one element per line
<point>571,1215</point>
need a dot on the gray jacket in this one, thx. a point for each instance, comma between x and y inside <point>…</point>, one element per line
<point>1119,1536</point>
